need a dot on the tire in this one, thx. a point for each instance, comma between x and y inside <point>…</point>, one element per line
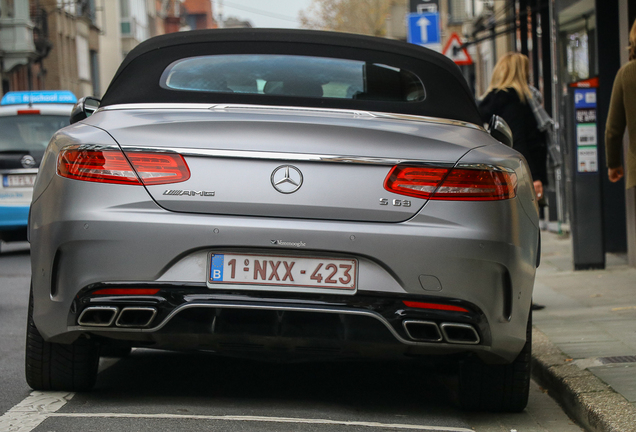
<point>497,388</point>
<point>62,367</point>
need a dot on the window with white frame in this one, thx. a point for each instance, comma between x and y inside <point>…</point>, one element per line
<point>83,59</point>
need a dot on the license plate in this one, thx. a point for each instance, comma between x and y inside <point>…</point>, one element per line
<point>282,271</point>
<point>18,180</point>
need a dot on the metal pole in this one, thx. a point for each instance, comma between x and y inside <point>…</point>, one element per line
<point>220,5</point>
<point>556,108</point>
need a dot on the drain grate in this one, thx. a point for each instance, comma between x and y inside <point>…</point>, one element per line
<point>618,359</point>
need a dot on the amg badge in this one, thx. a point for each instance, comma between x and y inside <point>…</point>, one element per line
<point>189,192</point>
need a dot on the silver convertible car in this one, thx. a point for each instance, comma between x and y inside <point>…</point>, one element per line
<point>287,196</point>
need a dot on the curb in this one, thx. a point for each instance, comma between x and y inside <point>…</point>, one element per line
<point>593,404</point>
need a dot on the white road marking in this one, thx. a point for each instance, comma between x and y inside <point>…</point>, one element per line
<point>264,419</point>
<point>33,410</point>
<point>38,406</point>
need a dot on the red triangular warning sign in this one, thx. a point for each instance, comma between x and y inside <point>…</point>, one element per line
<point>453,51</point>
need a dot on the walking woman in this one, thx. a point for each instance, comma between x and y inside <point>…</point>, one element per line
<point>509,97</point>
<point>622,113</point>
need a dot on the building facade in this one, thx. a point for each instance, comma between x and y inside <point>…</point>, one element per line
<point>24,42</point>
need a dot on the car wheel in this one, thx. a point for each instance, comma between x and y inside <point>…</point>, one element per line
<point>54,366</point>
<point>499,388</point>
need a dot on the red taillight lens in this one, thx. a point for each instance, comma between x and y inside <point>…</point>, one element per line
<point>103,166</point>
<point>419,182</point>
<point>434,306</point>
<point>159,168</point>
<point>452,183</point>
<point>111,166</point>
<point>29,112</point>
<point>477,185</point>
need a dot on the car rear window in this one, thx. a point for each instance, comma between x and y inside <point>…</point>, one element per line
<point>293,75</point>
<point>29,132</point>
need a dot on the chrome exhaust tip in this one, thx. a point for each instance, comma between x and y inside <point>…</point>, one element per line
<point>460,333</point>
<point>136,317</point>
<point>424,331</point>
<point>98,316</point>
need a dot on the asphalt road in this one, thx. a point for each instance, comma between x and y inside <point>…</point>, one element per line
<point>166,391</point>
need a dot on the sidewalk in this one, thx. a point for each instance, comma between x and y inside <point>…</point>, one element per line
<point>584,346</point>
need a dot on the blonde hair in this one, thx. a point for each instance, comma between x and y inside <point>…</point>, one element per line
<point>632,42</point>
<point>511,71</point>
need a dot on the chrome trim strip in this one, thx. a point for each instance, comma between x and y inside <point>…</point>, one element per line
<point>294,109</point>
<point>430,323</point>
<point>267,108</point>
<point>297,157</point>
<point>19,171</point>
<point>443,326</point>
<point>221,305</point>
<point>170,106</point>
<point>436,120</point>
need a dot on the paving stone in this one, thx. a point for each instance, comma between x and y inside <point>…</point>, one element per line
<point>595,349</point>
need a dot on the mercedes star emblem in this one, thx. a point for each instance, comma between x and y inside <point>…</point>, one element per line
<point>287,179</point>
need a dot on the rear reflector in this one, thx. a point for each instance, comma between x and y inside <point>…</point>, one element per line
<point>111,166</point>
<point>435,306</point>
<point>126,291</point>
<point>451,183</point>
<point>28,112</point>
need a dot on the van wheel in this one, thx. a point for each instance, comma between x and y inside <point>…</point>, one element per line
<point>54,366</point>
<point>497,388</point>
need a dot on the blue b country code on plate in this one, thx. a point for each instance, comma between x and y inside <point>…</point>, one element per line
<point>216,267</point>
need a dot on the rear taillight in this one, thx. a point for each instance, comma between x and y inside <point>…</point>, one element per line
<point>462,184</point>
<point>159,168</point>
<point>29,112</point>
<point>111,166</point>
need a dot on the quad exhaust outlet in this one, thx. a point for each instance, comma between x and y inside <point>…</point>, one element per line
<point>136,317</point>
<point>425,331</point>
<point>428,331</point>
<point>105,316</point>
<point>460,333</point>
<point>98,316</point>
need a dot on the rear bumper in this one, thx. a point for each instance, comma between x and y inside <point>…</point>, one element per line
<point>486,262</point>
<point>190,317</point>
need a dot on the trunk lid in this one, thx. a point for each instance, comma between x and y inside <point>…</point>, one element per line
<point>289,163</point>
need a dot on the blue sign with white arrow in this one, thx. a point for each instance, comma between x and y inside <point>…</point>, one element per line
<point>423,28</point>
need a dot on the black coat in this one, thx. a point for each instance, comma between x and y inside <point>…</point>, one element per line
<point>526,137</point>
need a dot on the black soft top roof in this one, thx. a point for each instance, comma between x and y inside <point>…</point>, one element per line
<point>138,78</point>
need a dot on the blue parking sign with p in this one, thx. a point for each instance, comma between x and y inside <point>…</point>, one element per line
<point>423,28</point>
